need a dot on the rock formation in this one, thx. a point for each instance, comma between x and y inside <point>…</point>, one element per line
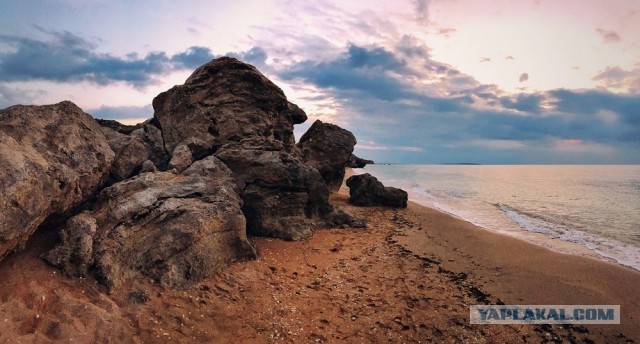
<point>52,159</point>
<point>355,162</point>
<point>366,190</point>
<point>225,101</point>
<point>174,198</point>
<point>327,148</point>
<point>174,228</point>
<point>228,108</point>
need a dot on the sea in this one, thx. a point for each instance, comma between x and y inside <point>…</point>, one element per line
<point>590,210</point>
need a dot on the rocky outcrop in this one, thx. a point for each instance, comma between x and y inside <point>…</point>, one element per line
<point>52,159</point>
<point>217,162</point>
<point>229,109</point>
<point>327,148</point>
<point>225,101</point>
<point>133,145</point>
<point>117,126</point>
<point>366,190</point>
<point>282,196</point>
<point>130,153</point>
<point>174,228</point>
<point>355,162</point>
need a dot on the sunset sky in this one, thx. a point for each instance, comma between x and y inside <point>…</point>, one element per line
<point>422,81</point>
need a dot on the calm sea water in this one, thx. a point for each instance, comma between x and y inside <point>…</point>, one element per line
<point>595,207</point>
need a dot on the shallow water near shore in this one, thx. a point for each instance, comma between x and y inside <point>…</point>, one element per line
<point>591,210</point>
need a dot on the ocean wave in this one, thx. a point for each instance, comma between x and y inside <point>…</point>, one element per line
<point>622,253</point>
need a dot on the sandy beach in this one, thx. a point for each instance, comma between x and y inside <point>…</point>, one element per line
<point>409,277</point>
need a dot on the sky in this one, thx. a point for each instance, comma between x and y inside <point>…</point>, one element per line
<point>416,81</point>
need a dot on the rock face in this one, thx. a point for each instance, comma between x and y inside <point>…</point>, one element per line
<point>355,162</point>
<point>327,148</point>
<point>130,153</point>
<point>134,145</point>
<point>281,195</point>
<point>229,109</point>
<point>366,190</point>
<point>52,159</point>
<point>225,101</point>
<point>174,228</point>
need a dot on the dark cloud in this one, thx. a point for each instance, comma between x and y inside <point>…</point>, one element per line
<point>255,56</point>
<point>121,112</point>
<point>192,58</point>
<point>524,102</point>
<point>471,120</point>
<point>609,36</point>
<point>359,69</point>
<point>66,57</point>
<point>523,77</point>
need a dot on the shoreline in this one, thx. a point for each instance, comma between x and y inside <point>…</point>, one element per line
<point>518,271</point>
<point>410,276</point>
<point>546,241</point>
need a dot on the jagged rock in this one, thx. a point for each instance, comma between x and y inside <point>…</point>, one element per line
<point>281,195</point>
<point>117,126</point>
<point>148,166</point>
<point>174,228</point>
<point>342,219</point>
<point>181,158</point>
<point>228,108</point>
<point>130,152</point>
<point>52,159</point>
<point>153,141</point>
<point>366,190</point>
<point>327,148</point>
<point>75,253</point>
<point>355,162</point>
<point>225,101</point>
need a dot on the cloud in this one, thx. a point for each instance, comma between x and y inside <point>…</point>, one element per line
<point>376,147</point>
<point>122,112</point>
<point>66,57</point>
<point>608,36</point>
<point>256,56</point>
<point>524,102</point>
<point>422,10</point>
<point>16,95</point>
<point>616,78</point>
<point>192,58</point>
<point>523,77</point>
<point>447,32</point>
<point>509,58</point>
<point>439,114</point>
<point>485,59</point>
<point>360,69</point>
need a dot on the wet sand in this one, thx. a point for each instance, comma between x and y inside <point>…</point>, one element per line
<point>409,277</point>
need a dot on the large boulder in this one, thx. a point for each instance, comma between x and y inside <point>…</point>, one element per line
<point>367,190</point>
<point>52,159</point>
<point>229,109</point>
<point>174,228</point>
<point>327,148</point>
<point>356,162</point>
<point>130,154</point>
<point>225,101</point>
<point>282,196</point>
